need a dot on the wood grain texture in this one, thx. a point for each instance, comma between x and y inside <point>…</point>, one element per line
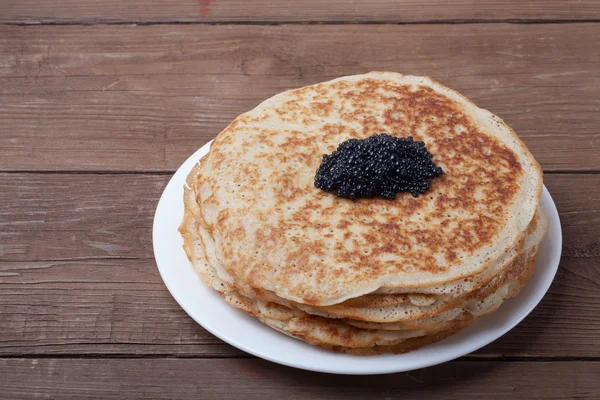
<point>142,98</point>
<point>258,379</point>
<point>406,11</point>
<point>72,217</point>
<point>96,307</point>
<point>77,274</point>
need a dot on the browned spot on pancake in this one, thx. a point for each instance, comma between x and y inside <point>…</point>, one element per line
<point>322,109</point>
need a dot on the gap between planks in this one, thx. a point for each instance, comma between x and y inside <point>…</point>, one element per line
<point>104,356</point>
<point>291,22</point>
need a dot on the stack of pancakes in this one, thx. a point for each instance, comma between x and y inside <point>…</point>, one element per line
<point>371,275</point>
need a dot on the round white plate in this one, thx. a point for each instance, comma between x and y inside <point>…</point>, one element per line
<point>248,334</point>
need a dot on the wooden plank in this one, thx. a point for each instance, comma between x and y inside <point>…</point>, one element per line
<point>121,307</point>
<point>258,379</point>
<point>111,215</point>
<point>145,97</point>
<point>406,11</point>
<point>102,294</point>
<point>72,217</point>
<point>95,307</point>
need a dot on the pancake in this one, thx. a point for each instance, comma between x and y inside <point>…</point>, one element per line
<point>449,315</point>
<point>332,334</point>
<point>485,301</point>
<point>454,288</point>
<point>409,312</point>
<point>313,329</point>
<point>407,345</point>
<point>378,308</point>
<point>275,231</point>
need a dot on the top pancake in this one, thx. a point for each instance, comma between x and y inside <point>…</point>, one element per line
<point>276,231</point>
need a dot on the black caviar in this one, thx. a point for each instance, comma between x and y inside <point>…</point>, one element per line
<point>380,165</point>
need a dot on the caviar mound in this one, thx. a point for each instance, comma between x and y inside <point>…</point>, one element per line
<point>380,165</point>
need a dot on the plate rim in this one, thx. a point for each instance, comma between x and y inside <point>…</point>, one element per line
<point>157,233</point>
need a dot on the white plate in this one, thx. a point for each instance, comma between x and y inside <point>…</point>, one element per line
<point>248,334</point>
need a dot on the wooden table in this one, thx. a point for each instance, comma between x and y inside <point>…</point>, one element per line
<point>101,100</point>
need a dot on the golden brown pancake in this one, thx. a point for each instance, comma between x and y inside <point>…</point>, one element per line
<point>371,275</point>
<point>329,333</point>
<point>276,231</point>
